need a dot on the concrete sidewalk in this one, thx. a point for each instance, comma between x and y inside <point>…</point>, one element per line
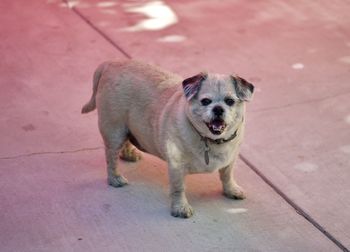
<point>296,155</point>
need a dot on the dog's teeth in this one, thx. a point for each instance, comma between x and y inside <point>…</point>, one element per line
<point>215,127</point>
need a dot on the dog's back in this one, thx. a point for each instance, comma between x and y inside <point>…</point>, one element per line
<point>127,79</point>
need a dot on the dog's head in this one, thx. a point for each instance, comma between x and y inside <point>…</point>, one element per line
<point>216,102</point>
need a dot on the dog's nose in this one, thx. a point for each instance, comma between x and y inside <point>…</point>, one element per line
<point>218,110</point>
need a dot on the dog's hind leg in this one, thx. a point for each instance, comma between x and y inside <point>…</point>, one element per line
<point>114,138</point>
<point>129,153</point>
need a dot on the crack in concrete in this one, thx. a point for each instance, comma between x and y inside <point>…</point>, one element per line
<point>50,153</point>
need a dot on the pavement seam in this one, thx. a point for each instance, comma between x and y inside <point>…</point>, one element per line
<point>50,153</point>
<point>99,31</point>
<point>296,207</point>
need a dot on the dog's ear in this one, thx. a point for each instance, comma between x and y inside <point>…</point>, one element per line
<point>192,85</point>
<point>244,89</point>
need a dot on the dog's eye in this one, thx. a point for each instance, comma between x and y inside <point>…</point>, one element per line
<point>229,101</point>
<point>205,101</point>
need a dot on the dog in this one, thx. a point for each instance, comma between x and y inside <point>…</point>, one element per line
<point>196,124</point>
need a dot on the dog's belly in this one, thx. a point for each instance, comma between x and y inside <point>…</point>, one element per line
<point>136,143</point>
<point>143,146</point>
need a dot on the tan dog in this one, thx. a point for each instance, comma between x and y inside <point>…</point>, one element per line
<point>195,127</point>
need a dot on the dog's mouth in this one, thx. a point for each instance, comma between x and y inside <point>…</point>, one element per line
<point>216,126</point>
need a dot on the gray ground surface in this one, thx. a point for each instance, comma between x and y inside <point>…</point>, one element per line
<point>53,191</point>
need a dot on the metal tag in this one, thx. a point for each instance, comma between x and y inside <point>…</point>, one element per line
<point>206,157</point>
<point>206,151</point>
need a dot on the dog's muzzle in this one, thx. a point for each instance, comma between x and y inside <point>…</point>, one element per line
<point>217,125</point>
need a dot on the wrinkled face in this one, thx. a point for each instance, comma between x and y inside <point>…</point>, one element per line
<point>216,103</point>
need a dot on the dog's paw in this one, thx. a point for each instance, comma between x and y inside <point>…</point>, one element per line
<point>235,193</point>
<point>182,211</point>
<point>117,181</point>
<point>130,155</point>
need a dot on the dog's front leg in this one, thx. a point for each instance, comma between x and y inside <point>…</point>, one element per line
<point>230,188</point>
<point>179,204</point>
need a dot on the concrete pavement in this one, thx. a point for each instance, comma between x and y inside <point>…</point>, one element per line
<point>52,177</point>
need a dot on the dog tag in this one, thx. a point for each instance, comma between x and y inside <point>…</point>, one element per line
<point>206,157</point>
<point>206,152</point>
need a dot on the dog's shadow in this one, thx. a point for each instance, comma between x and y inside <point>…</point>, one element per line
<point>147,194</point>
<point>150,176</point>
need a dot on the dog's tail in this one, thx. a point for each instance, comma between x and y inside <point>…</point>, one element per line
<point>91,105</point>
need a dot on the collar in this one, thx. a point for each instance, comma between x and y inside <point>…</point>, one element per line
<point>215,141</point>
<point>220,140</point>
